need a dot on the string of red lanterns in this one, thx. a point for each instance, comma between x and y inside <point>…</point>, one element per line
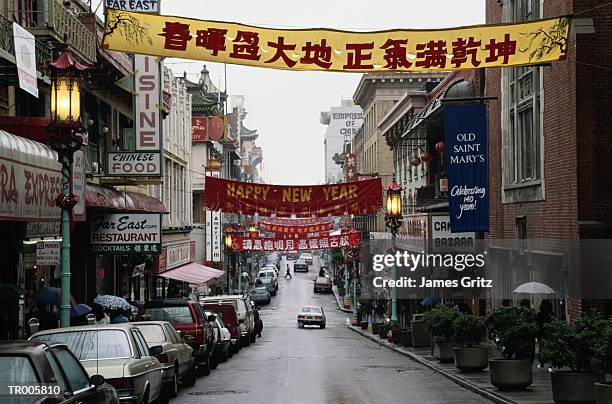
<point>426,156</point>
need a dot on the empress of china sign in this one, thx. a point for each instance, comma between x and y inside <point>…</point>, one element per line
<point>126,233</point>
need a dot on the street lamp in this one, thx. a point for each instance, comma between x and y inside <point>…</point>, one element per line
<point>228,248</point>
<point>253,232</point>
<point>393,220</point>
<point>65,73</point>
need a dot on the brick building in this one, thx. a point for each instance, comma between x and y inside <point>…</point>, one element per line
<point>550,154</point>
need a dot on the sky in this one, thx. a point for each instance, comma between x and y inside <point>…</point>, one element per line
<point>285,106</point>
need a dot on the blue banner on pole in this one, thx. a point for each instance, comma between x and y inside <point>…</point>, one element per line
<point>465,130</point>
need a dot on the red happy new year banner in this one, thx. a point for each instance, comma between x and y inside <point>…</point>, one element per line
<point>315,228</point>
<point>286,200</point>
<point>297,221</point>
<point>351,240</point>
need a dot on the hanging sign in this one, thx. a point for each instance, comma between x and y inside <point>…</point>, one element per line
<point>465,133</point>
<point>149,6</point>
<point>125,233</point>
<point>313,228</point>
<point>351,240</point>
<point>205,129</point>
<point>25,59</point>
<point>287,200</point>
<point>297,221</point>
<point>77,184</point>
<point>479,46</point>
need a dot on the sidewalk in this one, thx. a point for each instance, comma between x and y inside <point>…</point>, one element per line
<point>540,392</point>
<point>339,301</point>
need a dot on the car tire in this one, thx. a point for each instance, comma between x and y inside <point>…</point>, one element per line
<point>322,326</point>
<point>189,380</point>
<point>253,337</point>
<point>300,324</point>
<point>145,397</point>
<point>315,291</point>
<point>214,361</point>
<point>230,351</point>
<point>172,390</point>
<point>225,354</point>
<point>204,368</point>
<point>246,341</point>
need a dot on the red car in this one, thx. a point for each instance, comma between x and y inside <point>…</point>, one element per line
<point>230,318</point>
<point>322,284</point>
<point>189,319</point>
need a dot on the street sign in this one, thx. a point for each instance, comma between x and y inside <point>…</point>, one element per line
<point>48,252</point>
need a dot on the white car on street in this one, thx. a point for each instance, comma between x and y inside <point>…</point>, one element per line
<point>311,315</point>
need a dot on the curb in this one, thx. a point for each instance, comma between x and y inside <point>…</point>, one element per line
<point>339,303</point>
<point>417,358</point>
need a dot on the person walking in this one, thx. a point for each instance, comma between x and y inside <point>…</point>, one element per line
<point>288,274</point>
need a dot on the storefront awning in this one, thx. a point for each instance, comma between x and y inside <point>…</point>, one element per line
<point>99,197</point>
<point>194,273</point>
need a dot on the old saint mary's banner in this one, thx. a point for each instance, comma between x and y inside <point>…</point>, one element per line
<point>350,240</point>
<point>533,42</point>
<point>285,200</point>
<point>313,228</point>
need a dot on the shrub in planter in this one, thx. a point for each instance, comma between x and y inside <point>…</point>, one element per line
<point>440,320</point>
<point>394,333</point>
<point>364,325</point>
<point>470,331</point>
<point>383,329</point>
<point>603,362</point>
<point>513,329</point>
<point>573,346</point>
<point>375,327</point>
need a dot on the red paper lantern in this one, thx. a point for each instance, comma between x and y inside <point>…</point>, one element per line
<point>426,156</point>
<point>440,147</point>
<point>415,161</point>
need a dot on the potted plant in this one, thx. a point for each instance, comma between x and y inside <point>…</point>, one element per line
<point>470,331</point>
<point>395,331</point>
<point>603,362</point>
<point>572,345</point>
<point>440,320</point>
<point>513,329</point>
<point>375,327</point>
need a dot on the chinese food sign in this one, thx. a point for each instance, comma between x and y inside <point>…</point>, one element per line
<point>533,42</point>
<point>281,244</point>
<point>287,200</point>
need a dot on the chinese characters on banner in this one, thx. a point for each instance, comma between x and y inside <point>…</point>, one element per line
<point>351,240</point>
<point>315,228</point>
<point>350,167</point>
<point>205,128</point>
<point>465,127</point>
<point>287,200</point>
<point>298,221</point>
<point>533,42</point>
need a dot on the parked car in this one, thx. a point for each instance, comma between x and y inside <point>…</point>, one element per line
<point>307,257</point>
<point>26,363</point>
<point>189,319</point>
<point>260,296</point>
<point>311,315</point>
<point>119,353</point>
<point>272,267</point>
<point>323,284</point>
<point>176,356</point>
<point>300,266</point>
<point>229,316</point>
<point>269,273</point>
<point>246,319</point>
<point>222,337</point>
<point>292,255</point>
<point>267,282</point>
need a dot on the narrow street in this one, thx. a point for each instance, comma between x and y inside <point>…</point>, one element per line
<point>334,365</point>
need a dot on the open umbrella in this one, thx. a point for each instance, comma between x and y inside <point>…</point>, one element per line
<point>79,310</point>
<point>112,302</point>
<point>534,288</point>
<point>50,295</point>
<point>430,301</point>
<point>8,291</point>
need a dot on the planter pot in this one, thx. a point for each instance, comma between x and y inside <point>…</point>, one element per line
<point>603,393</point>
<point>510,374</point>
<point>443,349</point>
<point>396,335</point>
<point>375,327</point>
<point>474,359</point>
<point>383,330</point>
<point>573,387</point>
<point>406,337</point>
<point>364,325</point>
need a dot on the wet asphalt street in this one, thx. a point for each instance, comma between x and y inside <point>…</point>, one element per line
<point>334,365</point>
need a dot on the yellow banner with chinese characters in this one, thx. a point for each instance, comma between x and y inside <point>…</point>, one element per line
<point>479,46</point>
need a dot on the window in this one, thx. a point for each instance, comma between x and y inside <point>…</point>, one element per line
<point>175,314</point>
<point>522,87</point>
<point>17,370</point>
<point>143,348</point>
<point>153,333</point>
<point>92,345</point>
<point>173,334</point>
<point>58,377</point>
<point>76,376</point>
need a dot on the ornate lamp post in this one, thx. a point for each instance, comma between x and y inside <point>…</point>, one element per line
<point>253,232</point>
<point>393,220</point>
<point>228,248</point>
<point>65,73</point>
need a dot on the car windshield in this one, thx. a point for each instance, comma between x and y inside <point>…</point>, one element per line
<point>16,370</point>
<point>172,314</point>
<point>310,309</point>
<point>258,291</point>
<point>153,333</point>
<point>92,344</point>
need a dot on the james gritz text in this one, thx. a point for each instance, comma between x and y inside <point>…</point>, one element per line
<point>407,282</point>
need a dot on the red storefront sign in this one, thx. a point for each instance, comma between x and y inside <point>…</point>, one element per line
<point>351,240</point>
<point>286,200</point>
<point>313,228</point>
<point>204,129</point>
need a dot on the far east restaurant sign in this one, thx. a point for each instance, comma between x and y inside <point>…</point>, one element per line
<point>126,233</point>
